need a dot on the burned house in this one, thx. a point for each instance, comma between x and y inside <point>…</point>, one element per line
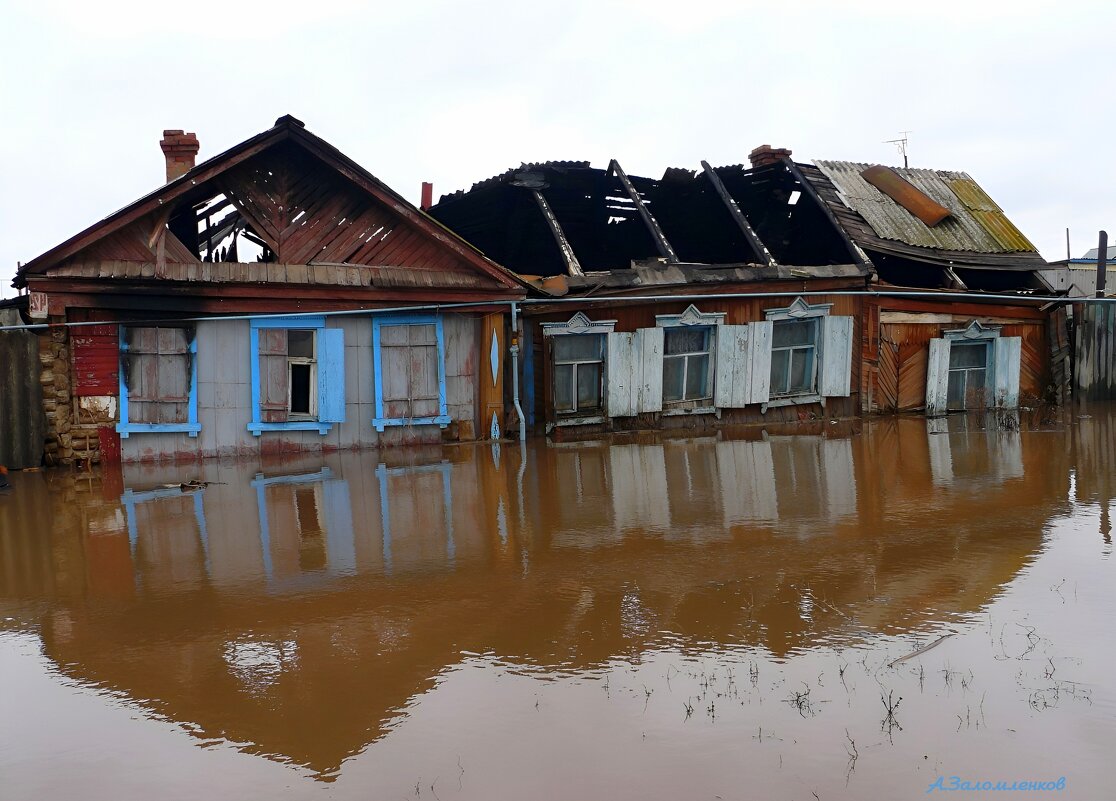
<point>276,297</point>
<point>778,291</point>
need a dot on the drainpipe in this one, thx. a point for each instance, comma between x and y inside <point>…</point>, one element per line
<point>515,371</point>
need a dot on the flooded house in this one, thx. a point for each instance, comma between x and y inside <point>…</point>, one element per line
<point>775,292</point>
<point>276,297</point>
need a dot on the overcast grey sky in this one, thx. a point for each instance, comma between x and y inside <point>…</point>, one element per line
<point>1017,94</point>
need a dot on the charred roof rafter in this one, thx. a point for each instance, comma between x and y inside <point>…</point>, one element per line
<point>657,235</point>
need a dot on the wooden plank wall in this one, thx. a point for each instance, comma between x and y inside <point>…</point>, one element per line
<point>1095,362</point>
<point>900,373</point>
<point>22,426</point>
<point>738,311</point>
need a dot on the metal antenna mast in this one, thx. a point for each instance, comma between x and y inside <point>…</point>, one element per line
<point>901,145</point>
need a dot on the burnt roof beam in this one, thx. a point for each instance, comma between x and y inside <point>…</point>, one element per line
<point>738,216</point>
<point>661,243</point>
<point>573,266</point>
<point>858,254</point>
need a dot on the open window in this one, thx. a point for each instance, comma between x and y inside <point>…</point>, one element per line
<point>298,375</point>
<point>409,360</point>
<point>973,368</point>
<point>158,380</point>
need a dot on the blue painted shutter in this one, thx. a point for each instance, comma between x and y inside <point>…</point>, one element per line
<point>331,375</point>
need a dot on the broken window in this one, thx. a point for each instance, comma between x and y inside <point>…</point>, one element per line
<point>687,355</point>
<point>578,373</point>
<point>287,375</point>
<point>157,375</point>
<point>794,345</point>
<point>298,374</point>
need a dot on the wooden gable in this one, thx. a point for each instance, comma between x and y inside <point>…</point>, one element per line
<point>282,208</point>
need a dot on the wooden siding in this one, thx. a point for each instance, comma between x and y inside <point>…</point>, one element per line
<point>738,311</point>
<point>900,370</point>
<point>96,358</point>
<point>1095,370</point>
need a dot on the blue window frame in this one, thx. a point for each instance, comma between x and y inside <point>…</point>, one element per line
<point>404,398</point>
<point>126,426</point>
<point>328,375</point>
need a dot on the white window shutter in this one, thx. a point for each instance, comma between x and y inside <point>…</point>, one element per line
<point>647,361</point>
<point>835,373</point>
<point>1006,355</point>
<point>730,376</point>
<point>937,377</point>
<point>622,392</point>
<point>331,375</point>
<point>759,362</point>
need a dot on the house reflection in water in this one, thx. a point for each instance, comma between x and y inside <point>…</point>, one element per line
<point>316,600</point>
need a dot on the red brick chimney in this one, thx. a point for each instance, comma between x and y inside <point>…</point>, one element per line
<point>180,149</point>
<point>766,154</point>
<point>427,196</point>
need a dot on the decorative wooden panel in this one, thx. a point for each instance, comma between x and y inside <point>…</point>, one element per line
<point>911,392</point>
<point>887,377</point>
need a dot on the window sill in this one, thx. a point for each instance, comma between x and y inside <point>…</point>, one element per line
<point>380,423</point>
<point>579,421</point>
<point>308,425</point>
<point>683,412</point>
<point>125,429</point>
<point>792,400</point>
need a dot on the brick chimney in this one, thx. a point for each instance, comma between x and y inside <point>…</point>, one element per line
<point>180,149</point>
<point>766,154</point>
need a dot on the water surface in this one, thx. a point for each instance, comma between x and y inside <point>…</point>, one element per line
<point>639,618</point>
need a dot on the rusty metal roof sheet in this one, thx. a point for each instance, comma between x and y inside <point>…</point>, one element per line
<point>975,224</point>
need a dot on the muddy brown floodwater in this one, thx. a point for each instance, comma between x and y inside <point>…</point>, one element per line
<point>722,618</point>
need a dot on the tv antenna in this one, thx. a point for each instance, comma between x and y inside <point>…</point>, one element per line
<point>901,145</point>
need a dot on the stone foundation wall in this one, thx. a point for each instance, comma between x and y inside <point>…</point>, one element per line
<point>70,436</point>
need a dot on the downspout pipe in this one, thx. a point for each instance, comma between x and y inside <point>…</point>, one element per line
<point>515,371</point>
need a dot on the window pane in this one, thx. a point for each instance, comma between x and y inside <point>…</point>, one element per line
<point>955,390</point>
<point>780,367</point>
<point>563,384</point>
<point>577,347</point>
<point>686,340</point>
<point>792,332</point>
<point>672,379</point>
<point>968,354</point>
<point>697,377</point>
<point>588,386</point>
<point>975,390</point>
<point>801,378</point>
<point>300,344</point>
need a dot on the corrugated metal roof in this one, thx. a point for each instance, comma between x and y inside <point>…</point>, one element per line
<point>1092,254</point>
<point>975,224</point>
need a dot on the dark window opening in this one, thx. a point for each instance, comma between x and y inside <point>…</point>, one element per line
<point>300,389</point>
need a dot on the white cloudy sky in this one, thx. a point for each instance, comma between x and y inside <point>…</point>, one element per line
<point>1017,94</point>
